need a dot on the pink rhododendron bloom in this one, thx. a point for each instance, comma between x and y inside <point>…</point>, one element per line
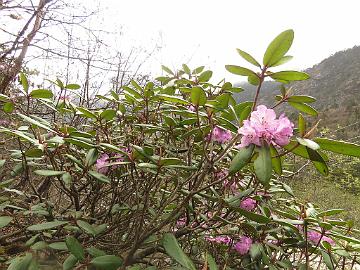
<point>101,164</point>
<point>226,240</point>
<point>232,186</point>
<point>263,125</point>
<point>248,204</point>
<point>243,245</point>
<point>181,222</point>
<point>220,135</point>
<point>192,108</point>
<point>315,237</point>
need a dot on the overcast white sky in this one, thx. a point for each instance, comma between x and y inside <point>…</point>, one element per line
<point>199,32</point>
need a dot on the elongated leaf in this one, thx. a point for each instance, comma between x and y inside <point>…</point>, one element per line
<point>253,216</point>
<point>308,143</point>
<point>241,159</point>
<point>75,247</point>
<point>107,262</point>
<point>174,250</point>
<point>48,172</point>
<point>58,246</point>
<point>4,221</point>
<point>301,125</point>
<point>304,108</point>
<point>290,76</point>
<point>70,262</point>
<point>283,60</point>
<point>276,161</point>
<point>198,96</point>
<point>46,225</point>
<point>99,176</point>
<point>248,58</point>
<point>278,48</point>
<point>34,122</point>
<point>8,107</point>
<point>21,263</point>
<point>173,99</point>
<point>240,70</point>
<point>86,113</point>
<point>167,70</point>
<point>318,161</point>
<point>72,86</point>
<point>91,157</point>
<point>41,93</point>
<point>211,262</point>
<point>301,151</point>
<point>263,165</point>
<point>108,114</point>
<point>24,82</point>
<point>88,228</point>
<point>339,147</point>
<point>205,76</point>
<point>186,69</point>
<point>198,70</point>
<point>305,99</point>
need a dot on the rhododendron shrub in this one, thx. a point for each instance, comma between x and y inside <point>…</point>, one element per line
<point>170,174</point>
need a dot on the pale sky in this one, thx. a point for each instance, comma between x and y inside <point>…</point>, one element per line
<point>200,32</point>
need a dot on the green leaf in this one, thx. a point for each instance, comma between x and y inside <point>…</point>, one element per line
<point>301,151</point>
<point>308,143</point>
<point>167,70</point>
<point>34,122</point>
<point>327,260</point>
<point>107,262</point>
<point>70,262</point>
<point>173,99</point>
<point>41,93</point>
<point>241,159</point>
<point>198,70</point>
<point>240,70</point>
<point>58,246</point>
<point>304,108</point>
<point>48,172</point>
<point>86,227</point>
<point>254,79</point>
<point>86,113</point>
<point>330,212</point>
<point>255,251</point>
<point>205,76</point>
<point>174,250</point>
<point>24,82</point>
<point>276,160</point>
<point>99,176</point>
<point>72,86</point>
<point>301,99</point>
<point>301,125</point>
<point>8,107</point>
<point>252,216</point>
<point>198,96</point>
<point>318,161</point>
<point>290,76</point>
<point>91,157</point>
<point>263,165</point>
<point>46,225</point>
<point>21,263</point>
<point>108,114</point>
<point>34,152</point>
<point>248,58</point>
<point>283,60</point>
<point>339,147</point>
<point>211,262</point>
<point>75,247</point>
<point>5,220</point>
<point>278,48</point>
<point>95,252</point>
<point>186,69</point>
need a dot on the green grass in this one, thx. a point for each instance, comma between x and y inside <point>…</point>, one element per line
<point>327,195</point>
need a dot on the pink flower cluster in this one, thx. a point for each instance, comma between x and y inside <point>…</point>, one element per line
<point>102,162</point>
<point>219,135</point>
<point>242,246</point>
<point>263,125</point>
<point>248,204</point>
<point>315,237</point>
